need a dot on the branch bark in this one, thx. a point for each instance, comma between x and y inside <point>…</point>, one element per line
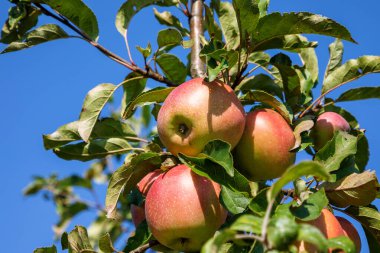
<point>197,68</point>
<point>145,247</point>
<point>146,73</point>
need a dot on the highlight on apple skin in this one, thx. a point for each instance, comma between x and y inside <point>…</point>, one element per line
<point>182,209</point>
<point>351,232</point>
<point>328,224</point>
<point>263,151</point>
<point>197,112</point>
<point>325,126</point>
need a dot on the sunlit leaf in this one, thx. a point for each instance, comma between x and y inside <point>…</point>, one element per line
<point>336,54</point>
<point>172,67</point>
<point>168,19</point>
<point>229,24</point>
<point>311,208</point>
<point>234,202</point>
<point>359,94</point>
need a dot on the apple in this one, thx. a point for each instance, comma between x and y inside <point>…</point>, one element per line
<point>138,214</point>
<point>325,126</point>
<point>197,112</point>
<point>144,185</point>
<point>182,209</point>
<point>328,224</point>
<point>351,232</point>
<point>263,151</point>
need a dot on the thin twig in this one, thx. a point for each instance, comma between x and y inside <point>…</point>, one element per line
<point>153,75</point>
<point>127,45</point>
<point>146,246</point>
<point>266,220</point>
<point>248,236</point>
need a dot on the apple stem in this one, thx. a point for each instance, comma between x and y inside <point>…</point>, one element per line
<point>197,68</point>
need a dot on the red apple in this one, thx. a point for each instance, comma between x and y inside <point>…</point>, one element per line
<point>351,232</point>
<point>325,126</point>
<point>182,209</point>
<point>328,224</point>
<point>263,151</point>
<point>138,214</point>
<point>144,185</point>
<point>197,112</point>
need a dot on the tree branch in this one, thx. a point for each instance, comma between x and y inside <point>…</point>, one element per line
<point>197,68</point>
<point>146,73</point>
<point>146,246</point>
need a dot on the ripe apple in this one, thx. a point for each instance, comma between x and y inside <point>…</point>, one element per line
<point>263,151</point>
<point>328,224</point>
<point>197,112</point>
<point>144,185</point>
<point>182,209</point>
<point>138,214</point>
<point>351,232</point>
<point>325,126</point>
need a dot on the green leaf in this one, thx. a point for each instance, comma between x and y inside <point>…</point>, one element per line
<point>65,241</point>
<point>168,19</point>
<point>103,129</point>
<point>146,52</point>
<point>355,189</point>
<point>142,236</point>
<point>312,235</point>
<point>212,26</point>
<point>172,67</point>
<point>260,82</point>
<point>359,94</point>
<point>94,149</point>
<point>311,208</point>
<point>169,38</point>
<point>277,25</point>
<point>304,124</point>
<point>343,243</point>
<point>263,97</point>
<point>310,61</point>
<point>134,87</point>
<point>370,220</point>
<point>131,7</point>
<point>10,34</point>
<point>289,42</point>
<point>351,70</point>
<point>34,187</point>
<point>93,104</point>
<point>51,249</point>
<point>127,176</point>
<point>362,154</point>
<point>336,50</point>
<point>234,202</point>
<point>78,13</point>
<point>282,231</point>
<point>68,212</point>
<point>215,244</point>
<point>229,24</point>
<point>373,243</point>
<point>247,223</point>
<point>306,168</point>
<point>216,163</point>
<point>74,180</point>
<point>247,13</point>
<point>40,35</point>
<point>105,244</point>
<point>79,242</point>
<point>336,150</point>
<point>259,203</point>
<point>156,95</point>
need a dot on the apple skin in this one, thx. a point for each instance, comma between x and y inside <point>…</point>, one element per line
<point>263,151</point>
<point>182,209</point>
<point>144,185</point>
<point>138,214</point>
<point>328,224</point>
<point>351,232</point>
<point>197,112</point>
<point>325,126</point>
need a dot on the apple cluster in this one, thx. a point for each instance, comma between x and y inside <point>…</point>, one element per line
<point>182,209</point>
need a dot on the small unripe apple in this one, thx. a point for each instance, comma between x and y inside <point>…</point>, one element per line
<point>197,112</point>
<point>328,224</point>
<point>263,151</point>
<point>182,209</point>
<point>138,214</point>
<point>351,232</point>
<point>327,123</point>
<point>144,185</point>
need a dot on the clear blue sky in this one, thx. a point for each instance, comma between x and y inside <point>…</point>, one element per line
<point>43,88</point>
